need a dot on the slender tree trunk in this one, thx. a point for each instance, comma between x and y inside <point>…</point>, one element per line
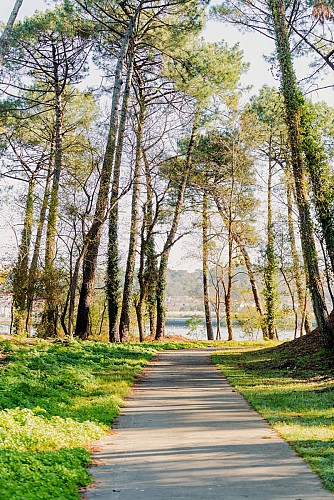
<point>151,268</point>
<point>205,251</point>
<point>94,234</point>
<point>139,304</point>
<point>301,289</point>
<point>52,291</point>
<point>251,275</point>
<point>228,287</point>
<point>293,101</point>
<point>72,293</point>
<point>20,280</point>
<point>113,273</point>
<point>124,325</point>
<point>270,267</point>
<point>32,278</point>
<point>8,30</point>
<point>162,275</point>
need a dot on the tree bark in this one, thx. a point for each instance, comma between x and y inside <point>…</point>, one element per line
<point>293,102</point>
<point>94,234</point>
<point>113,272</point>
<point>32,277</point>
<point>270,266</point>
<point>301,289</point>
<point>50,314</point>
<point>205,267</point>
<point>8,30</point>
<point>20,279</point>
<point>124,324</point>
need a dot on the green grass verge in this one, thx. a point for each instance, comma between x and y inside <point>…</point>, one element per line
<point>55,399</point>
<point>294,394</point>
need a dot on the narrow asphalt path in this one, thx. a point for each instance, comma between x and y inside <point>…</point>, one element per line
<point>186,434</point>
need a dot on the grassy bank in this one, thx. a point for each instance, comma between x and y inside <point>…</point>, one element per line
<point>55,399</point>
<point>292,387</point>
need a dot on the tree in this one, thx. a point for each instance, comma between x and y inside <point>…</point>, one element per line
<point>209,70</point>
<point>5,37</point>
<point>256,16</point>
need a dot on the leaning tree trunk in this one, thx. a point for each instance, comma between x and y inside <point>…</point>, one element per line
<point>301,290</point>
<point>321,179</point>
<point>20,279</point>
<point>205,266</point>
<point>94,234</point>
<point>162,274</point>
<point>113,272</point>
<point>5,37</point>
<point>124,324</point>
<point>293,108</point>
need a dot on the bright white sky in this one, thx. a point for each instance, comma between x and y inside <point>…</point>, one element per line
<point>254,47</point>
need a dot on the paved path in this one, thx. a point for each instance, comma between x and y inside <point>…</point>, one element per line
<point>186,434</point>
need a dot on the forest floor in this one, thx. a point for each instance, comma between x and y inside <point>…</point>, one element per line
<point>58,398</point>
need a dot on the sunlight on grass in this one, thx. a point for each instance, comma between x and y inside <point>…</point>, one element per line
<point>55,399</point>
<point>298,401</point>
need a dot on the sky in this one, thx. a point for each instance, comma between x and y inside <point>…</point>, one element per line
<point>254,46</point>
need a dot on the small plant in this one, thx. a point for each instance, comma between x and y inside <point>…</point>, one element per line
<point>195,326</point>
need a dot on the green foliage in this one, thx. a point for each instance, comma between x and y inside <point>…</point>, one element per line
<point>249,321</point>
<point>55,399</point>
<point>45,475</point>
<point>295,394</point>
<point>195,326</point>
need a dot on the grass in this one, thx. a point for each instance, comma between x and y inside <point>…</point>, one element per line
<point>294,393</point>
<point>55,399</point>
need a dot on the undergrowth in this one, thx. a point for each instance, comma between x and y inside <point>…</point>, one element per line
<point>55,399</point>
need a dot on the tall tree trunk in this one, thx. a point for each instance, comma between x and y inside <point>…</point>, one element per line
<point>113,272</point>
<point>293,104</point>
<point>52,290</point>
<point>270,266</point>
<point>124,324</point>
<point>301,289</point>
<point>72,292</point>
<point>162,275</point>
<point>20,279</point>
<point>147,264</point>
<point>5,37</point>
<point>205,266</point>
<point>32,277</point>
<point>94,234</point>
<point>228,286</point>
<point>139,304</point>
<point>151,267</point>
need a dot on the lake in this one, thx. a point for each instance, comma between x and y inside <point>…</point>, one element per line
<point>177,328</point>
